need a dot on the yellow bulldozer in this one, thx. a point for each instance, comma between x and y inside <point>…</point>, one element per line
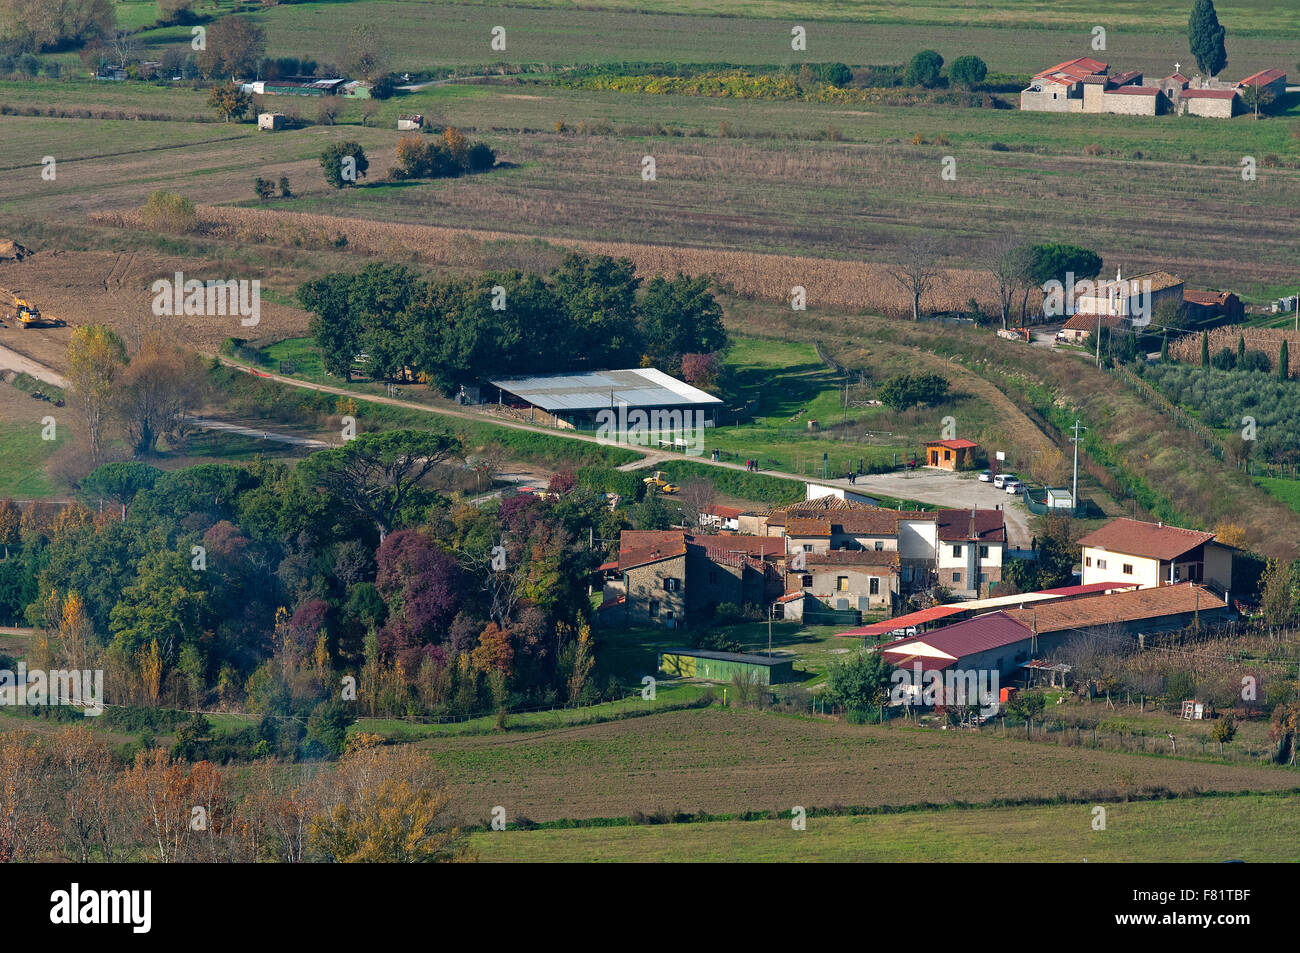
<point>29,316</point>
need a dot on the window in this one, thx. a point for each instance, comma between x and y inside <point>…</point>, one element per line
<point>654,607</point>
<point>875,585</point>
<point>807,547</point>
<point>880,545</point>
<point>1087,560</point>
<point>842,583</point>
<point>1101,564</point>
<point>984,577</point>
<point>984,552</point>
<point>956,552</point>
<point>1128,569</point>
<point>806,582</point>
<point>956,577</point>
<point>672,584</point>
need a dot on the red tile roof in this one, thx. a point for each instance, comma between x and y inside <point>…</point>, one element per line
<point>1076,69</point>
<point>1178,78</point>
<point>1133,605</point>
<point>636,547</point>
<point>791,596</point>
<point>804,526</point>
<point>1148,540</point>
<point>885,558</point>
<point>990,525</point>
<point>754,546</point>
<point>1120,79</point>
<point>1207,297</point>
<point>952,444</point>
<point>1263,77</point>
<point>984,632</point>
<point>1084,321</point>
<point>723,512</point>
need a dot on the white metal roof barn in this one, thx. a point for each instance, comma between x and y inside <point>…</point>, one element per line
<point>635,387</point>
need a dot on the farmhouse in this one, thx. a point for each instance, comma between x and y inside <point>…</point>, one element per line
<point>270,120</point>
<point>410,122</point>
<point>950,454</point>
<point>668,577</point>
<point>862,579</point>
<point>1153,554</point>
<point>1083,86</point>
<point>724,666</point>
<point>961,550</point>
<point>1211,103</point>
<point>1273,81</point>
<point>1118,304</point>
<point>641,403</point>
<point>726,518</point>
<point>1208,305</point>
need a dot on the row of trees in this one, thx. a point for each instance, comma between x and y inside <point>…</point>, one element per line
<point>67,795</point>
<point>925,69</point>
<point>589,312</point>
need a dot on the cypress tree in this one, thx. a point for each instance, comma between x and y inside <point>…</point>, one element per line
<point>1205,350</point>
<point>1164,347</point>
<point>1283,363</point>
<point>1205,37</point>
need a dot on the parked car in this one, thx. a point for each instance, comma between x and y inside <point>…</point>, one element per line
<point>986,476</point>
<point>1013,486</point>
<point>1000,481</point>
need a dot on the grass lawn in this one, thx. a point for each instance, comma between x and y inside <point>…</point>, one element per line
<point>1189,829</point>
<point>23,455</point>
<point>1288,491</point>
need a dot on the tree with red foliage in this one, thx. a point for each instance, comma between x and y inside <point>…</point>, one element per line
<point>423,586</point>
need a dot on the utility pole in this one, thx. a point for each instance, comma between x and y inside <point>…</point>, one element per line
<point>1099,339</point>
<point>1074,497</point>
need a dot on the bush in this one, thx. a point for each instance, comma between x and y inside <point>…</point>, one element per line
<point>480,157</point>
<point>384,87</point>
<point>909,390</point>
<point>169,212</point>
<point>968,71</point>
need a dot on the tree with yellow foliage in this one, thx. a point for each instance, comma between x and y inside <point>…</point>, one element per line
<point>386,805</point>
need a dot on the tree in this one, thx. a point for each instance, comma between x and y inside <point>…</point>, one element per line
<point>1205,38</point>
<point>651,513</point>
<point>235,47</point>
<point>339,173</point>
<point>480,157</point>
<point>680,316</point>
<point>365,56</point>
<point>328,725</point>
<point>917,269</point>
<point>599,294</point>
<point>1010,264</point>
<point>1283,362</point>
<point>696,496</point>
<point>1280,592</point>
<point>1223,731</point>
<point>158,386</point>
<point>377,475</point>
<point>230,101</point>
<point>907,390</point>
<point>1026,706</point>
<point>384,87</point>
<point>385,805</point>
<point>860,683</point>
<point>923,69</point>
<point>968,71</point>
<point>263,188</point>
<point>1205,349</point>
<point>1257,97</point>
<point>96,357</point>
<point>1063,263</point>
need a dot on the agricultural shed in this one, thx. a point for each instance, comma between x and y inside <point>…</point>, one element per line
<point>724,666</point>
<point>573,401</point>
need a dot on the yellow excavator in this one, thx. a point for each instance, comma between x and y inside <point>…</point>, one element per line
<point>29,316</point>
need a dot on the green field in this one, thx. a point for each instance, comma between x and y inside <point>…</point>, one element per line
<point>1206,830</point>
<point>1288,491</point>
<point>23,455</point>
<point>1012,35</point>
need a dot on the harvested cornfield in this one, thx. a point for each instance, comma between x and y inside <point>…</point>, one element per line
<point>829,283</point>
<point>1269,340</point>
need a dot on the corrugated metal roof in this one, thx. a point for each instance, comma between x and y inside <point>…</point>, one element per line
<point>595,390</point>
<point>731,656</point>
<point>966,638</point>
<point>903,621</point>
